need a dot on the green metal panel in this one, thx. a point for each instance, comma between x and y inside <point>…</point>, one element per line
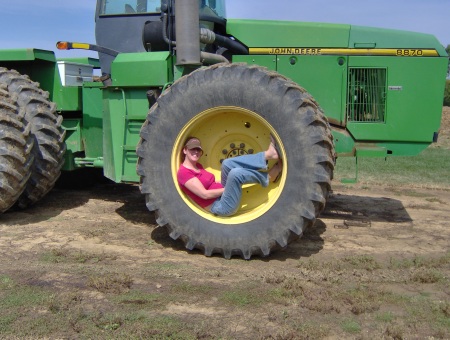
<point>387,38</point>
<point>125,111</point>
<point>92,131</point>
<point>26,54</point>
<point>324,77</point>
<point>404,149</point>
<point>73,134</point>
<point>125,107</point>
<point>367,150</point>
<point>84,136</point>
<point>73,142</point>
<point>67,98</point>
<point>268,61</point>
<point>142,69</point>
<point>265,33</point>
<point>133,127</point>
<point>411,67</point>
<point>315,74</point>
<point>344,143</point>
<point>413,100</point>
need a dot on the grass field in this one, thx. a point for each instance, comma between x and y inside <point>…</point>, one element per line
<point>429,169</point>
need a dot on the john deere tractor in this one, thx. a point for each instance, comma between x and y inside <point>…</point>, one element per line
<point>169,69</point>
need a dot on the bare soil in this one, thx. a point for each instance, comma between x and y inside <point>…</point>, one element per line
<point>362,242</point>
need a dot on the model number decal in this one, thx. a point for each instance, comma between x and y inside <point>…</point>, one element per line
<point>410,53</point>
<point>394,52</point>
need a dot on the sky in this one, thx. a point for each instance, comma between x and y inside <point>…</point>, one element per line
<point>41,23</point>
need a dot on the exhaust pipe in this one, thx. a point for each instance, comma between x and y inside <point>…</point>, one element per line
<point>187,29</point>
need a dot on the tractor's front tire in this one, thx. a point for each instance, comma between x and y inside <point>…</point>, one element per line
<point>234,109</point>
<point>46,130</point>
<point>16,144</point>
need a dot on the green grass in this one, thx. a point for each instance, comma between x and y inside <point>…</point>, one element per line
<point>247,295</point>
<point>430,168</point>
<point>61,255</point>
<point>20,306</point>
<point>362,262</point>
<point>360,300</point>
<point>110,282</point>
<point>421,262</point>
<point>385,317</point>
<point>240,298</point>
<point>23,296</point>
<point>351,326</point>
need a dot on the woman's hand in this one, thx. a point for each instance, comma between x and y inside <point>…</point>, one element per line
<point>194,185</point>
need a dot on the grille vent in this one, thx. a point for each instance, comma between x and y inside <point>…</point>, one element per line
<point>366,100</point>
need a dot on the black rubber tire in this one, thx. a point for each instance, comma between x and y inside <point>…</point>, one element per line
<point>296,118</point>
<point>46,129</point>
<point>16,144</point>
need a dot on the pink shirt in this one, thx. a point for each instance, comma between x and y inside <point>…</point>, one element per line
<point>206,178</point>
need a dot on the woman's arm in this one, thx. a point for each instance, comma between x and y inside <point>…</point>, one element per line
<point>194,185</point>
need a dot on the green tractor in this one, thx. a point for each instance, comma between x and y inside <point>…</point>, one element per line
<point>171,69</point>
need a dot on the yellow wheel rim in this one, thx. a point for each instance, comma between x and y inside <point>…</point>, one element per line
<point>228,131</point>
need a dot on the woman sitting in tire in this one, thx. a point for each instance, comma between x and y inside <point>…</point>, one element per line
<point>223,198</point>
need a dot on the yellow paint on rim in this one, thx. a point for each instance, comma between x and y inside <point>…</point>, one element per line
<point>219,129</point>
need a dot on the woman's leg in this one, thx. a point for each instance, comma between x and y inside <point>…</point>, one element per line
<point>251,162</point>
<point>228,203</point>
<point>241,170</point>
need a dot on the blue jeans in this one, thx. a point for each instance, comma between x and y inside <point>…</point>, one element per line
<point>236,172</point>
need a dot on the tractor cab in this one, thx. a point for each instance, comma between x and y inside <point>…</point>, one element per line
<point>128,26</point>
<point>207,8</point>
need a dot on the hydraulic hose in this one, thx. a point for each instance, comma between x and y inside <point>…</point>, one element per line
<point>165,36</point>
<point>211,58</point>
<point>209,37</point>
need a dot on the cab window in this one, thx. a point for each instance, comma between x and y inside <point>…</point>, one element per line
<point>116,7</point>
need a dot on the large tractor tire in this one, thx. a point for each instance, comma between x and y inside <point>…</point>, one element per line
<point>16,144</point>
<point>234,109</point>
<point>47,132</point>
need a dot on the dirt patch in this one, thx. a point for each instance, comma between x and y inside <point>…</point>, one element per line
<point>375,265</point>
<point>100,249</point>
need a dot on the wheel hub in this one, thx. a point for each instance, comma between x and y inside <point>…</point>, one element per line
<point>236,149</point>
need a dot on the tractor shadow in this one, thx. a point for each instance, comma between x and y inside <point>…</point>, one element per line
<point>75,191</point>
<point>359,208</point>
<point>346,211</point>
<point>340,209</point>
<point>352,209</point>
